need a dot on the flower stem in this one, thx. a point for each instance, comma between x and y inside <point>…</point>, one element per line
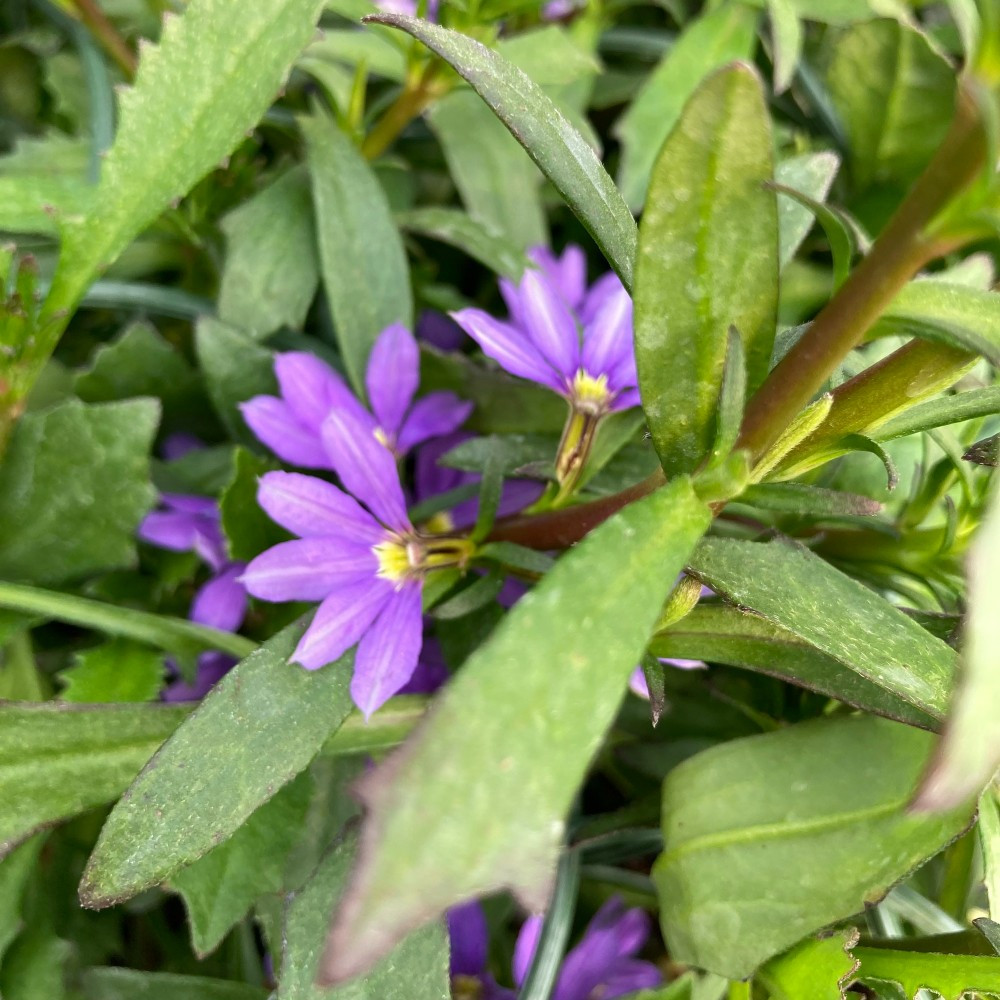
<point>416,95</point>
<point>898,253</point>
<point>106,33</point>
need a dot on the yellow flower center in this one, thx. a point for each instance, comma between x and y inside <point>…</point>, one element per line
<point>590,395</point>
<point>409,558</point>
<point>393,560</point>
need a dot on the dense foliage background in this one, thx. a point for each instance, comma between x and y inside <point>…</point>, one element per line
<point>697,691</point>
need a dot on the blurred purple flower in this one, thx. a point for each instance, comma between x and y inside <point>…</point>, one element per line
<point>291,424</point>
<point>410,7</point>
<point>192,523</point>
<point>603,964</point>
<point>366,566</point>
<point>637,682</point>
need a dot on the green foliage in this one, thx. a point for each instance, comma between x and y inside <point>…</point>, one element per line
<point>124,984</point>
<point>119,670</point>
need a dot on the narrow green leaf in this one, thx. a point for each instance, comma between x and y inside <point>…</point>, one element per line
<point>710,41</point>
<point>74,487</point>
<point>818,968</point>
<point>951,976</point>
<point>811,174</point>
<point>564,653</point>
<point>119,670</point>
<point>561,153</point>
<point>271,272</point>
<point>732,397</point>
<point>941,411</point>
<point>809,501</point>
<point>57,761</point>
<point>417,968</point>
<point>359,244</point>
<point>255,731</point>
<point>127,984</point>
<point>213,74</point>
<point>794,588</point>
<point>786,41</point>
<point>219,889</point>
<point>707,260</point>
<point>969,751</point>
<point>723,634</point>
<point>753,829</point>
<point>474,237</point>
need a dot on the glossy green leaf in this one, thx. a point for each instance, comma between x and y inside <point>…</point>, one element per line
<point>894,95</point>
<point>951,976</point>
<point>417,968</point>
<point>499,185</point>
<point>474,237</point>
<point>119,670</point>
<point>811,174</point>
<point>210,78</point>
<point>359,244</point>
<point>941,411</point>
<point>708,42</point>
<point>792,587</point>
<point>128,984</point>
<point>969,752</point>
<point>545,686</point>
<point>723,634</point>
<point>754,828</point>
<point>818,968</point>
<point>74,486</point>
<point>219,888</point>
<point>707,260</point>
<point>271,269</point>
<point>255,731</point>
<point>57,761</point>
<point>561,153</point>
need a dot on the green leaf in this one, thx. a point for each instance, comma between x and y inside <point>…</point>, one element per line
<point>127,984</point>
<point>472,236</point>
<point>247,528</point>
<point>707,260</point>
<point>786,39</point>
<point>74,487</point>
<point>235,367</point>
<point>33,203</point>
<point>213,74</point>
<point>707,43</point>
<point>820,969</point>
<point>811,174</point>
<point>562,656</point>
<point>57,761</point>
<point>351,46</point>
<point>722,634</point>
<point>255,731</point>
<point>941,411</point>
<point>809,501</point>
<point>894,95</point>
<point>35,966</point>
<point>271,272</point>
<point>754,828</point>
<point>119,670</point>
<point>362,261</point>
<point>499,185</point>
<point>15,870</point>
<point>952,976</point>
<point>969,751</point>
<point>561,153</point>
<point>417,968</point>
<point>176,635</point>
<point>732,398</point>
<point>219,888</point>
<point>794,588</point>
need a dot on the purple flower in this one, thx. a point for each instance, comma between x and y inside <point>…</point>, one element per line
<point>637,682</point>
<point>291,424</point>
<point>410,7</point>
<point>191,523</point>
<point>575,341</point>
<point>366,565</point>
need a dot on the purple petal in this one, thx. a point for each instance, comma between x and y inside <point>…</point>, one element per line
<point>310,569</point>
<point>308,506</point>
<point>431,479</point>
<point>625,400</point>
<point>190,503</point>
<point>435,415</point>
<point>630,975</point>
<point>178,445</point>
<point>525,946</point>
<point>388,653</point>
<point>550,324</point>
<point>607,341</point>
<point>311,388</point>
<point>607,284</point>
<point>212,667</point>
<point>392,376</point>
<point>366,467</point>
<point>275,425</point>
<point>439,331</point>
<point>511,295</point>
<point>167,530</point>
<point>567,273</point>
<point>431,672</point>
<point>469,939</point>
<point>342,619</point>
<point>638,684</point>
<point>509,347</point>
<point>222,601</point>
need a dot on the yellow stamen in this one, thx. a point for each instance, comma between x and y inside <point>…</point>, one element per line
<point>393,560</point>
<point>589,394</point>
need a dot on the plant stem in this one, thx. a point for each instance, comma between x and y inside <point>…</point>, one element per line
<point>416,95</point>
<point>107,34</point>
<point>899,252</point>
